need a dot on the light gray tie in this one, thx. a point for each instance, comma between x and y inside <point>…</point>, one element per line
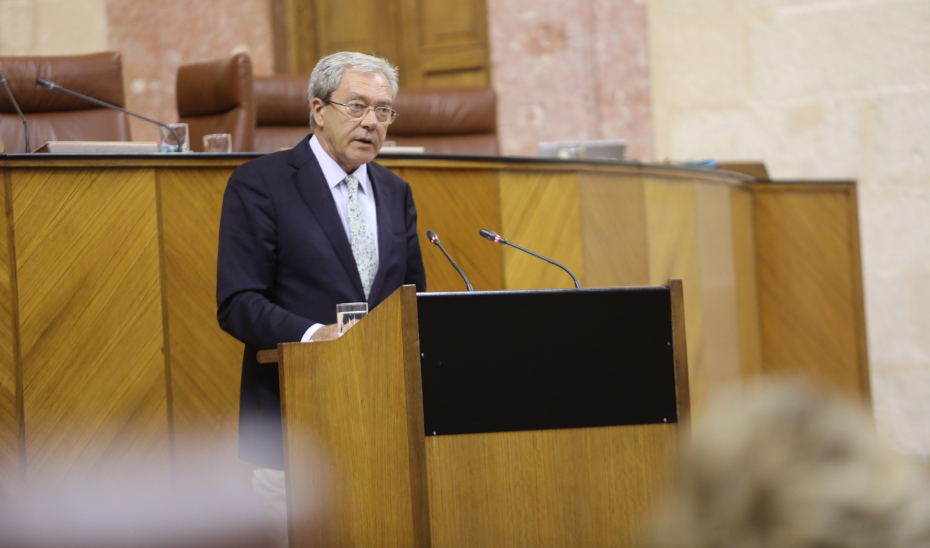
<point>363,245</point>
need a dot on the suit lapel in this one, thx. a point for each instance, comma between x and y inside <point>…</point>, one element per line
<point>308,177</point>
<point>385,228</point>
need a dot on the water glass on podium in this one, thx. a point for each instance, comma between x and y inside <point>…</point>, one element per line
<point>347,314</point>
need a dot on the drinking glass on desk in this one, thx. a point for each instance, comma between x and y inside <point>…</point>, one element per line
<point>168,143</point>
<point>217,142</point>
<point>349,313</point>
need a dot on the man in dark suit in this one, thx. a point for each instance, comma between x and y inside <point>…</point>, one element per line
<point>305,229</point>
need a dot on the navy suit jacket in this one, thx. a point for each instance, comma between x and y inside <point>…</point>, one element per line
<point>285,262</point>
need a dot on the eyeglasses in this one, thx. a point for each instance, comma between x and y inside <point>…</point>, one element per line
<point>385,115</point>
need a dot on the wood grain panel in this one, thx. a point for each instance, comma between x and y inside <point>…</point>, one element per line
<point>673,253</point>
<point>91,322</point>
<point>857,295</point>
<point>434,43</point>
<point>11,454</point>
<point>444,43</point>
<point>613,230</point>
<point>205,363</point>
<point>457,204</point>
<point>717,286</point>
<point>294,46</point>
<point>354,412</point>
<point>582,487</point>
<point>747,299</point>
<point>368,26</point>
<point>540,212</point>
<point>451,24</point>
<point>809,297</point>
<point>680,347</point>
<point>458,77</point>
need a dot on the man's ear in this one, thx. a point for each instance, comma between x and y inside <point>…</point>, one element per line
<point>316,110</point>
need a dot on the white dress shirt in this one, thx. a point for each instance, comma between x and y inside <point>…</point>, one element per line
<point>335,178</point>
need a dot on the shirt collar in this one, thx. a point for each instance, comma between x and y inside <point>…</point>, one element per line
<point>331,170</point>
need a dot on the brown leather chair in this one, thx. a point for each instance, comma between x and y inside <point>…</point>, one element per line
<point>447,120</point>
<point>443,120</point>
<point>217,97</point>
<point>55,115</point>
<point>282,111</point>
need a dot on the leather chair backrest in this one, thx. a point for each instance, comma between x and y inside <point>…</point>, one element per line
<point>447,120</point>
<point>58,116</point>
<point>282,111</point>
<point>443,120</point>
<point>217,97</point>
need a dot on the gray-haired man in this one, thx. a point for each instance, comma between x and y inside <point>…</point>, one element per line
<point>307,228</point>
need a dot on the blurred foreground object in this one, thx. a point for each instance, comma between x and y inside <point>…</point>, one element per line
<point>203,508</point>
<point>786,466</point>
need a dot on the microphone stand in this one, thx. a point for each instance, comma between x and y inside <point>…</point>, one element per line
<point>434,239</point>
<point>497,238</point>
<point>16,106</point>
<point>41,82</point>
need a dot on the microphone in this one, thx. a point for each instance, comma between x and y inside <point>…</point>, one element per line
<point>497,238</point>
<point>434,239</point>
<point>43,83</point>
<point>16,106</point>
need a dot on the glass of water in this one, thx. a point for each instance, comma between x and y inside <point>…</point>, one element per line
<point>217,142</point>
<point>349,313</point>
<point>168,143</point>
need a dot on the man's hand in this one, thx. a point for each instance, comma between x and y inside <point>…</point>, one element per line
<point>326,333</point>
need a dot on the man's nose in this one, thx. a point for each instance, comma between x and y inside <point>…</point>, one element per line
<point>370,119</point>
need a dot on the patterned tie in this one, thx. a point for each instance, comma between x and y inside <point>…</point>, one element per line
<point>363,245</point>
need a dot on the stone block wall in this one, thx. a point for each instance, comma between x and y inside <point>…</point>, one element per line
<point>821,89</point>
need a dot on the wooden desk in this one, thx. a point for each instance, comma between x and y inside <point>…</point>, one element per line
<point>110,349</point>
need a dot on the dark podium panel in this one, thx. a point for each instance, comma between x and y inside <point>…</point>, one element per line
<point>537,360</point>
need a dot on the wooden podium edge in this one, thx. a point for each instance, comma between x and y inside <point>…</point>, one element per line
<point>399,313</point>
<point>680,350</point>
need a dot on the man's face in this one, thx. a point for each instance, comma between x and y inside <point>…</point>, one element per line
<point>353,141</point>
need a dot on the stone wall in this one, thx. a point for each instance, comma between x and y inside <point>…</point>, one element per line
<point>821,89</point>
<point>52,27</point>
<point>568,70</point>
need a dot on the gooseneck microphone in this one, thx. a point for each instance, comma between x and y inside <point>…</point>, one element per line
<point>434,239</point>
<point>42,82</point>
<point>497,238</point>
<point>16,106</point>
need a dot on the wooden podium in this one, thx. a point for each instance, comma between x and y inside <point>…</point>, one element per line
<point>536,418</point>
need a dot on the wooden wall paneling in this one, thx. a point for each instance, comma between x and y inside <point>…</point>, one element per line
<point>433,43</point>
<point>574,487</point>
<point>457,203</point>
<point>671,227</point>
<point>809,297</point>
<point>717,285</point>
<point>287,18</point>
<point>367,26</point>
<point>744,257</point>
<point>540,211</point>
<point>445,43</point>
<point>858,293</point>
<point>297,47</point>
<point>205,362</point>
<point>91,323</point>
<point>11,446</point>
<point>613,230</point>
